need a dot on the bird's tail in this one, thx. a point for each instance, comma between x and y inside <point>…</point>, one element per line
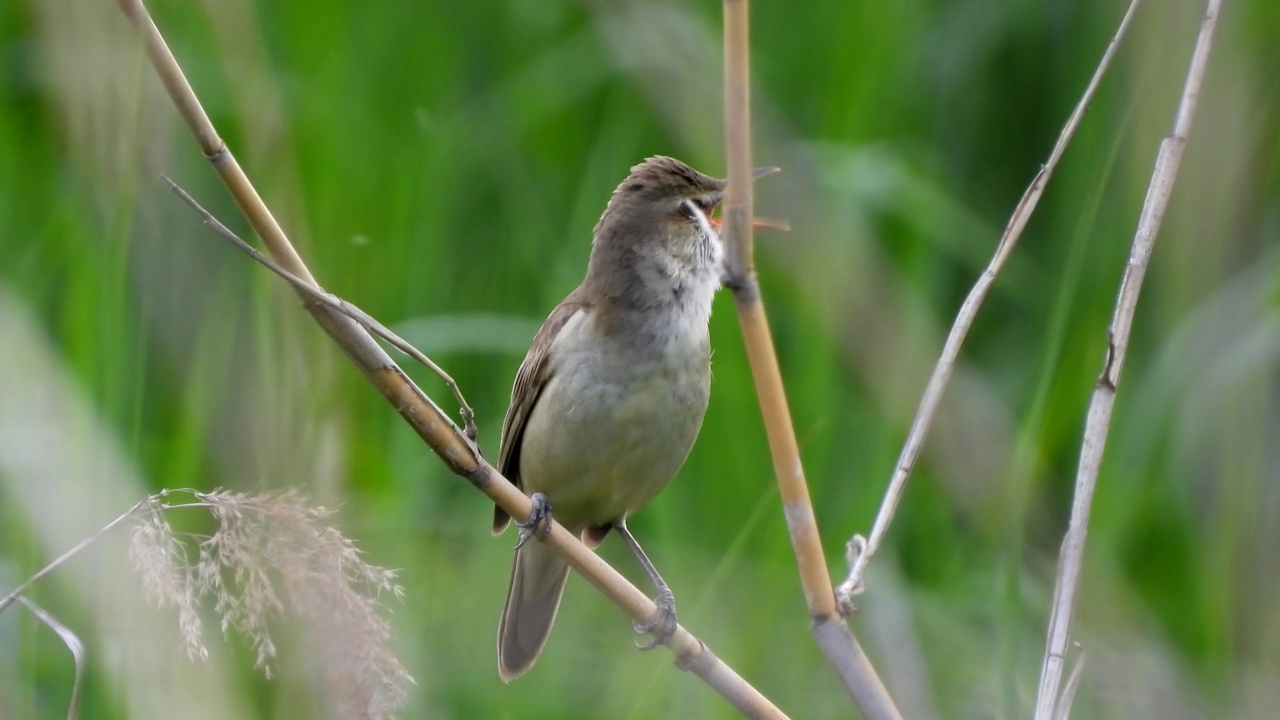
<point>538,575</point>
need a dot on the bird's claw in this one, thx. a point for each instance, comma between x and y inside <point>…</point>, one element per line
<point>539,523</point>
<point>663,622</point>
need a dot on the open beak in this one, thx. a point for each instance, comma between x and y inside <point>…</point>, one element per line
<point>758,223</point>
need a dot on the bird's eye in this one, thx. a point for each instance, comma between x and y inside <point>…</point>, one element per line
<point>704,205</point>
<point>686,208</point>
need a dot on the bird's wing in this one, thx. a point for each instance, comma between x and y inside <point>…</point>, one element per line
<point>531,378</point>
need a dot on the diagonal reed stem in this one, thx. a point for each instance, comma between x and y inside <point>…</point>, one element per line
<point>431,423</point>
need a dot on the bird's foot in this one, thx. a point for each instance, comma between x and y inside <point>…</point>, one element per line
<point>539,523</point>
<point>663,623</point>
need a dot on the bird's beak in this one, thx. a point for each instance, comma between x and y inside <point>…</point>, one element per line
<point>758,223</point>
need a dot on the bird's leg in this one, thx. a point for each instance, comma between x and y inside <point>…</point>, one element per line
<point>539,523</point>
<point>663,622</point>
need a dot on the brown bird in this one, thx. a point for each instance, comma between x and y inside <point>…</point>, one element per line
<point>611,395</point>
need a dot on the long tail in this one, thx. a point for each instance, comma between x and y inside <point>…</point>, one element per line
<point>533,597</point>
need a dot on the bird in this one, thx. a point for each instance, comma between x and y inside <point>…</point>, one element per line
<point>610,398</point>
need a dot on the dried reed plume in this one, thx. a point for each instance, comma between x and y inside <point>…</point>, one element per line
<point>271,556</point>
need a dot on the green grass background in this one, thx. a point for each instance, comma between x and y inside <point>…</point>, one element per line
<point>442,164</point>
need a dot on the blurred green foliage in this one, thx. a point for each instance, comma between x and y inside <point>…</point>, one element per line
<point>442,164</point>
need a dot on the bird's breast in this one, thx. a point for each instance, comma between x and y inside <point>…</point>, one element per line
<point>618,417</point>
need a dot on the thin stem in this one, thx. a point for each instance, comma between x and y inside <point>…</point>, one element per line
<point>1098,419</point>
<point>73,644</point>
<point>62,559</point>
<point>861,551</point>
<point>138,510</point>
<point>334,303</point>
